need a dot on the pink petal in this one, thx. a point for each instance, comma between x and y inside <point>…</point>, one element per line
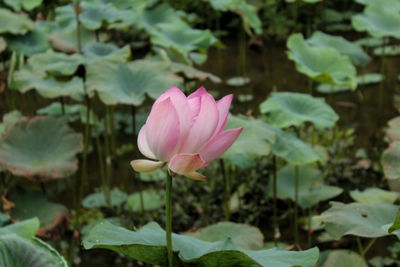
<point>219,144</point>
<point>198,93</point>
<point>194,104</point>
<point>186,163</point>
<point>162,129</point>
<point>144,165</point>
<point>223,106</point>
<point>204,126</point>
<point>196,176</point>
<point>181,105</point>
<point>143,145</point>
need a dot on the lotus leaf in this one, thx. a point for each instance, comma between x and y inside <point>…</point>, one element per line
<point>30,203</point>
<point>380,18</point>
<point>128,83</point>
<point>155,176</point>
<point>66,40</point>
<point>320,63</point>
<point>162,13</point>
<point>97,200</point>
<point>9,118</point>
<point>193,73</point>
<point>374,195</point>
<point>55,63</point>
<point>396,223</point>
<point>238,81</point>
<point>73,112</point>
<point>359,219</point>
<point>149,245</point>
<point>370,41</point>
<point>152,200</point>
<point>388,50</point>
<point>391,161</point>
<point>20,248</point>
<point>13,23</point>
<point>34,42</point>
<point>25,4</point>
<point>292,149</point>
<point>352,50</point>
<point>305,1</point>
<point>363,79</point>
<point>49,87</point>
<point>393,132</point>
<point>293,109</point>
<point>102,51</point>
<point>4,218</point>
<point>254,141</point>
<point>40,148</point>
<point>312,189</point>
<point>342,258</point>
<point>243,236</point>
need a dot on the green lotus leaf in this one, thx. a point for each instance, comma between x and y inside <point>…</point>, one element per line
<point>293,109</point>
<point>363,79</point>
<point>305,1</point>
<point>246,11</point>
<point>370,41</point>
<point>162,13</point>
<point>387,50</point>
<point>374,195</point>
<point>238,81</point>
<point>320,63</point>
<point>243,236</point>
<point>73,112</point>
<point>152,200</point>
<point>34,42</point>
<point>149,245</point>
<point>193,73</point>
<point>255,140</point>
<point>23,4</point>
<point>154,176</point>
<point>393,132</point>
<point>391,161</point>
<point>182,38</point>
<point>4,218</point>
<point>10,118</point>
<point>97,200</point>
<point>359,219</point>
<point>40,148</point>
<point>96,52</point>
<point>292,149</point>
<point>31,203</point>
<point>20,248</point>
<point>55,63</point>
<point>352,50</point>
<point>128,83</point>
<point>380,18</point>
<point>48,87</point>
<point>13,23</point>
<point>66,40</point>
<point>341,257</point>
<point>311,190</point>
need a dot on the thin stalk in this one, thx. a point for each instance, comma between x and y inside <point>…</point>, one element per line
<point>106,189</point>
<point>369,245</point>
<point>86,140</point>
<point>227,212</point>
<point>78,26</point>
<point>360,246</point>
<point>309,228</point>
<point>168,219</point>
<point>274,200</point>
<point>296,201</point>
<point>107,150</point>
<point>382,70</point>
<point>141,199</point>
<point>112,132</point>
<point>62,105</point>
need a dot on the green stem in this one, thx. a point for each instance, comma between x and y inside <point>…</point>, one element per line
<point>62,105</point>
<point>296,201</point>
<point>309,228</point>
<point>78,27</point>
<point>141,199</point>
<point>227,211</point>
<point>274,200</point>
<point>106,189</point>
<point>107,149</point>
<point>168,219</point>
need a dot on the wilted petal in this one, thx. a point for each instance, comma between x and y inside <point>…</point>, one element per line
<point>144,165</point>
<point>204,126</point>
<point>223,106</point>
<point>186,163</point>
<point>162,129</point>
<point>143,145</point>
<point>219,144</point>
<point>196,176</point>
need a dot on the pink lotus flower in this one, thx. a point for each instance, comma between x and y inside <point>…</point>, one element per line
<point>185,132</point>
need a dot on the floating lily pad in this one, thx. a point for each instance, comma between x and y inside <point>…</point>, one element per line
<point>393,132</point>
<point>23,4</point>
<point>347,48</point>
<point>320,63</point>
<point>152,200</point>
<point>359,219</point>
<point>193,73</point>
<point>374,195</point>
<point>388,50</point>
<point>73,112</point>
<point>56,63</point>
<point>380,18</point>
<point>97,200</point>
<point>238,81</point>
<point>102,51</point>
<point>311,188</point>
<point>48,87</point>
<point>341,257</point>
<point>40,148</point>
<point>20,248</point>
<point>293,109</point>
<point>149,245</point>
<point>243,236</point>
<point>391,161</point>
<point>13,23</point>
<point>254,141</point>
<point>53,217</point>
<point>128,83</point>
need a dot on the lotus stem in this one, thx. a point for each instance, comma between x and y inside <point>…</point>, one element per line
<point>168,219</point>
<point>227,212</point>
<point>106,189</point>
<point>62,105</point>
<point>274,200</point>
<point>296,201</point>
<point>309,233</point>
<point>363,250</point>
<point>107,150</point>
<point>133,114</point>
<point>78,26</point>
